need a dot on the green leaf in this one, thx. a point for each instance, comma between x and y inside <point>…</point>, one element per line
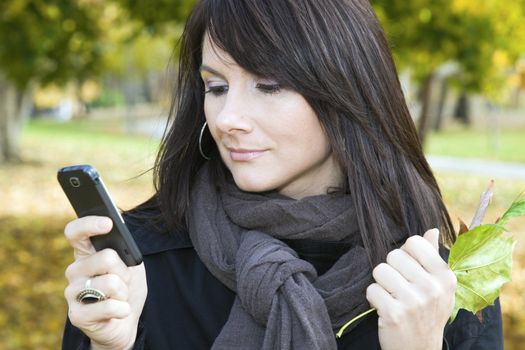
<point>516,209</point>
<point>481,259</point>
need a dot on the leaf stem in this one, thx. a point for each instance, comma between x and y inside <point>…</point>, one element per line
<point>340,333</point>
<point>483,204</point>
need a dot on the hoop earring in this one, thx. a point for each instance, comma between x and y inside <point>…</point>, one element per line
<point>200,141</point>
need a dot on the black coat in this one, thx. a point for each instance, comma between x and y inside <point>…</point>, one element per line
<point>187,306</point>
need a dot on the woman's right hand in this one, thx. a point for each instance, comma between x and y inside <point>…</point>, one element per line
<point>111,323</point>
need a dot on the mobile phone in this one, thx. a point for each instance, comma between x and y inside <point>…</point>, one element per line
<point>87,194</point>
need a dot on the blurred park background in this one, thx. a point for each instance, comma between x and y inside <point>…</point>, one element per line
<point>89,81</point>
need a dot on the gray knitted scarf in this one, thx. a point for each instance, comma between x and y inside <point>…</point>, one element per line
<point>280,301</point>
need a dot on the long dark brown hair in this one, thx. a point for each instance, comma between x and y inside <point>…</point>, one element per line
<point>334,53</point>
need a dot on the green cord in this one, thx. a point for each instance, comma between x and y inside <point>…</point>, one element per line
<point>340,333</point>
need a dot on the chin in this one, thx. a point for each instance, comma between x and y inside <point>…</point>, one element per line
<point>254,188</point>
<point>253,184</point>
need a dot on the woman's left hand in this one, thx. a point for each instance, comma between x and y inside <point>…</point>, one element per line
<point>413,295</point>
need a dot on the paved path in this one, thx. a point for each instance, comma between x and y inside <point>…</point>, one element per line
<point>480,167</point>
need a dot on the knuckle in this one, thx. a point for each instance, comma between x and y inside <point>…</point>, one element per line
<point>115,286</point>
<point>393,255</point>
<point>68,292</point>
<point>109,256</point>
<point>113,282</point>
<point>111,307</point>
<point>91,327</point>
<point>395,315</point>
<point>377,271</point>
<point>381,267</point>
<point>434,292</point>
<point>452,302</point>
<point>413,241</point>
<point>431,287</point>
<point>448,280</point>
<point>70,228</point>
<point>442,263</point>
<point>370,290</point>
<point>74,228</point>
<point>417,303</point>
<point>69,272</point>
<point>75,317</point>
<point>423,302</point>
<point>452,280</point>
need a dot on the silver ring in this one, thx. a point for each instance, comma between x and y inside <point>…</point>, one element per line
<point>90,295</point>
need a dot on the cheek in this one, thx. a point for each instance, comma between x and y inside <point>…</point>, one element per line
<point>211,110</point>
<point>309,147</point>
<point>305,131</point>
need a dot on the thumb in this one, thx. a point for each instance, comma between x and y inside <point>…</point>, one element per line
<point>433,237</point>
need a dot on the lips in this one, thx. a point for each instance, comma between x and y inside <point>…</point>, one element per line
<point>244,155</point>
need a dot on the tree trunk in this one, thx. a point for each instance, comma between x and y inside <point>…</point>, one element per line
<point>441,105</point>
<point>14,109</point>
<point>81,110</point>
<point>462,110</point>
<point>424,117</point>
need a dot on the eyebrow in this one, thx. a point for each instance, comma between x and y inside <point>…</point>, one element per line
<point>211,70</point>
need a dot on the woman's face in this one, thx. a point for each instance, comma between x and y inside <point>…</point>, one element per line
<point>267,135</point>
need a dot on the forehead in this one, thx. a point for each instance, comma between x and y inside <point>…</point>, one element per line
<point>212,54</point>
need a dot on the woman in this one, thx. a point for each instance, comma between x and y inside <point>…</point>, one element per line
<point>292,195</point>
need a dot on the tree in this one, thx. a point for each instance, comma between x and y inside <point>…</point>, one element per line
<point>42,41</point>
<point>155,14</point>
<point>421,40</point>
<point>426,34</point>
<point>55,41</point>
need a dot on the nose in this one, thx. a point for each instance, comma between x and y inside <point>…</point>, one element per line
<point>234,115</point>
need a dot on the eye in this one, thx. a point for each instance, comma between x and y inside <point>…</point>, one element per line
<point>269,88</point>
<point>217,90</point>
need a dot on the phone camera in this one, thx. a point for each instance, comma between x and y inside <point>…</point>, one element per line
<point>74,181</point>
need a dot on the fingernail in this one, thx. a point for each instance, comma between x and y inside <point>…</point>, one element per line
<point>104,223</point>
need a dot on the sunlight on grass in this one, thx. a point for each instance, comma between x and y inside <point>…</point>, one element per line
<point>47,146</point>
<point>503,145</point>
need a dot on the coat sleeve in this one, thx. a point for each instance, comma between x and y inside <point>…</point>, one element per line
<point>467,332</point>
<point>75,339</point>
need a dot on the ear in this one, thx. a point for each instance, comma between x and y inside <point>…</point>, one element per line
<point>433,237</point>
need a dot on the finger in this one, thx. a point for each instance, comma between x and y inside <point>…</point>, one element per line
<point>425,254</point>
<point>379,298</point>
<point>84,315</point>
<point>111,285</point>
<point>79,230</point>
<point>424,285</point>
<point>407,266</point>
<point>433,237</point>
<point>392,281</point>
<point>103,262</point>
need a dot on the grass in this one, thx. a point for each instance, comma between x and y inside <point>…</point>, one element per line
<point>33,212</point>
<point>503,145</point>
<point>48,146</point>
